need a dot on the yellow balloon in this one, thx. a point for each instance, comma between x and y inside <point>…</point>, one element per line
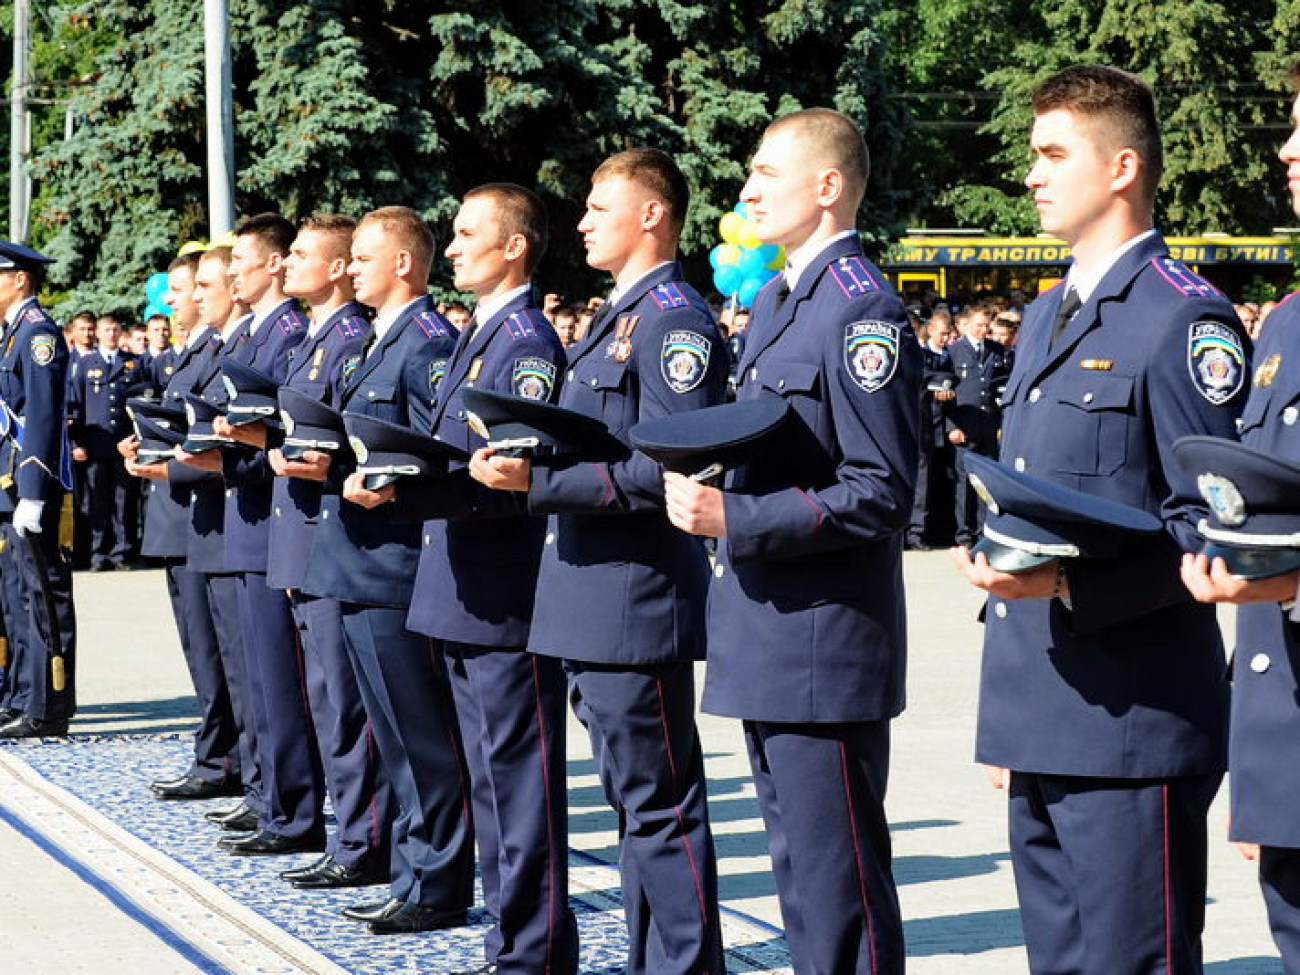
<point>730,226</point>
<point>728,254</point>
<point>749,235</point>
<point>778,262</point>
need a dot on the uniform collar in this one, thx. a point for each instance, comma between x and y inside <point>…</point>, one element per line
<point>1086,284</point>
<point>639,284</point>
<point>18,309</point>
<point>486,310</point>
<point>800,259</point>
<point>384,324</point>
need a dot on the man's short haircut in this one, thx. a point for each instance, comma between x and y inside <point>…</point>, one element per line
<point>190,261</point>
<point>519,211</point>
<point>657,173</point>
<point>85,315</point>
<point>221,254</point>
<point>337,230</point>
<point>833,140</point>
<point>456,306</point>
<point>1122,104</point>
<point>409,231</point>
<point>273,231</point>
<point>568,311</point>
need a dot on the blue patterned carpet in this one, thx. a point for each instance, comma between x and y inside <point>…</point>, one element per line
<point>111,773</point>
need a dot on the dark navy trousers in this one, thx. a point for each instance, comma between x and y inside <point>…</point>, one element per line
<point>821,789</point>
<point>223,601</point>
<point>403,681</point>
<point>354,778</point>
<point>293,786</point>
<point>510,705</point>
<point>216,742</point>
<point>1072,836</point>
<point>642,725</point>
<point>1279,878</point>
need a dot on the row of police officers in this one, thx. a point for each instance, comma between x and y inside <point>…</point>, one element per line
<point>332,485</point>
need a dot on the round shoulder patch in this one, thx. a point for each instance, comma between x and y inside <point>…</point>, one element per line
<point>1216,360</point>
<point>532,377</point>
<point>871,353</point>
<point>685,359</point>
<point>43,349</point>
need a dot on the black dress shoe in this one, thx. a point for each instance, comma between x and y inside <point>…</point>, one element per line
<point>266,843</point>
<point>410,918</point>
<point>333,874</point>
<point>372,910</point>
<point>193,787</point>
<point>312,867</point>
<point>24,726</point>
<point>245,822</point>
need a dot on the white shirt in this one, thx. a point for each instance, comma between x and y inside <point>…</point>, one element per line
<point>1086,283</point>
<point>618,293</point>
<point>484,310</point>
<point>796,261</point>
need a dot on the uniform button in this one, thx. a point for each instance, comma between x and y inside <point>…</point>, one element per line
<point>460,414</point>
<point>1000,610</point>
<point>719,571</point>
<point>1289,416</point>
<point>428,540</point>
<point>753,373</point>
<point>370,393</point>
<point>1035,395</point>
<point>1260,663</point>
<point>278,512</point>
<point>324,515</point>
<point>568,376</point>
<point>1087,397</point>
<point>593,382</point>
<point>550,538</point>
<point>230,492</point>
<point>1020,464</point>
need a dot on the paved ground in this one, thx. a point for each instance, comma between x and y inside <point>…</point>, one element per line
<point>952,862</point>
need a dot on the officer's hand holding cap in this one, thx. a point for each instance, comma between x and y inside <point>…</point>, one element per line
<point>200,414</point>
<point>1030,521</point>
<point>388,451</point>
<point>706,442</point>
<point>252,394</point>
<point>510,422</point>
<point>308,425</point>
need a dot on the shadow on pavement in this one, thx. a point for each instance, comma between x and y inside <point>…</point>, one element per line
<point>963,934</point>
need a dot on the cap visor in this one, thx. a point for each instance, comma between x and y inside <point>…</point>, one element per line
<point>1004,558</point>
<point>1254,563</point>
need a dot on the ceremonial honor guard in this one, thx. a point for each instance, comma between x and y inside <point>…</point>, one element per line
<point>214,770</point>
<point>475,586</point>
<point>806,618</point>
<point>1103,687</point>
<point>357,853</point>
<point>34,474</point>
<point>652,349</point>
<point>368,564</point>
<point>1251,560</point>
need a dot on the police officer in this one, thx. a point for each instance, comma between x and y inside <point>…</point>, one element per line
<point>35,475</point>
<point>475,586</point>
<point>806,615</point>
<point>653,348</point>
<point>357,852</point>
<point>215,768</point>
<point>980,368</point>
<point>1265,780</point>
<point>97,419</point>
<point>934,470</point>
<point>1103,684</point>
<point>368,563</point>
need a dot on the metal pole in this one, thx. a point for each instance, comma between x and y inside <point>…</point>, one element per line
<point>19,131</point>
<point>220,116</point>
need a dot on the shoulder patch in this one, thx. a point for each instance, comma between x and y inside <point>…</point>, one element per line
<point>669,295</point>
<point>1183,279</point>
<point>43,349</point>
<point>437,369</point>
<point>1216,360</point>
<point>350,366</point>
<point>684,361</point>
<point>33,315</point>
<point>350,326</point>
<point>853,276</point>
<point>292,322</point>
<point>871,353</point>
<point>519,326</point>
<point>533,377</point>
<point>433,325</point>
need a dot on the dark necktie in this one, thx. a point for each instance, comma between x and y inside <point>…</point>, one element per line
<point>1069,306</point>
<point>598,319</point>
<point>782,293</point>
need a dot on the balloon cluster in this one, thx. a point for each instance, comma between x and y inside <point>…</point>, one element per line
<point>155,296</point>
<point>742,263</point>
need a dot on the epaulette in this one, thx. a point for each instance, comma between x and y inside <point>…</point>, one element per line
<point>292,322</point>
<point>350,326</point>
<point>669,295</point>
<point>853,277</point>
<point>1183,279</point>
<point>433,326</point>
<point>1285,300</point>
<point>520,326</point>
<point>33,315</point>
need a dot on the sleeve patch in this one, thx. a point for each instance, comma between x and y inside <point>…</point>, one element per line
<point>871,353</point>
<point>437,369</point>
<point>669,295</point>
<point>854,277</point>
<point>533,378</point>
<point>685,359</point>
<point>42,349</point>
<point>519,326</point>
<point>1183,279</point>
<point>433,326</point>
<point>1216,360</point>
<point>350,366</point>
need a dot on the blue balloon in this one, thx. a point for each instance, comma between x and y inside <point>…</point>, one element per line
<point>155,288</point>
<point>155,308</point>
<point>727,278</point>
<point>743,209</point>
<point>769,252</point>
<point>752,262</point>
<point>749,289</point>
<point>715,255</point>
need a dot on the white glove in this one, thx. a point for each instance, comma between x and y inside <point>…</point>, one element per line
<point>27,516</point>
